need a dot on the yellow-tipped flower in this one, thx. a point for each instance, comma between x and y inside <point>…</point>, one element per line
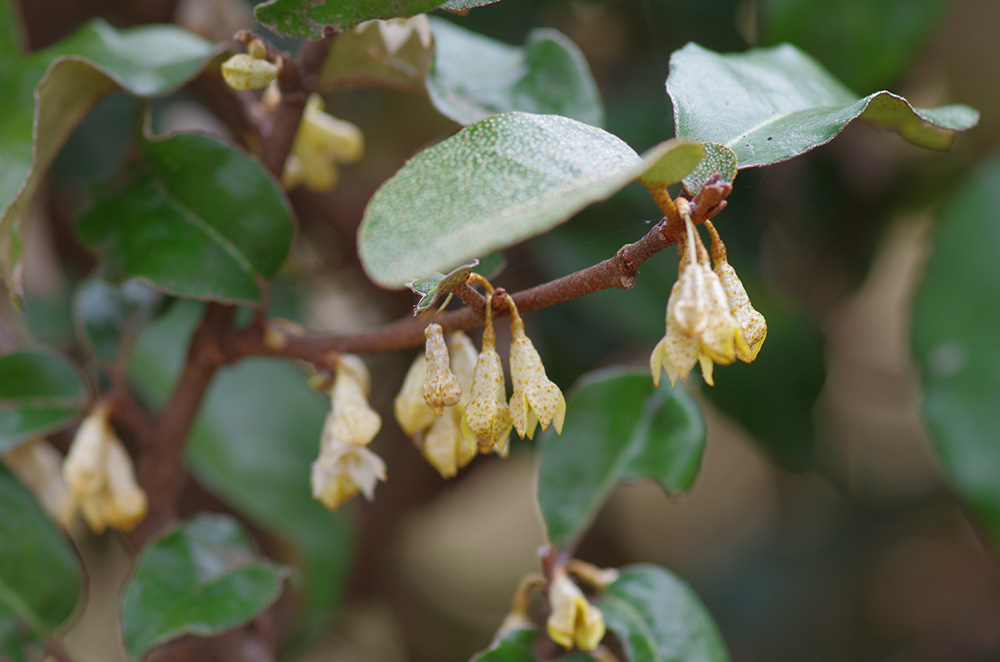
<point>441,387</point>
<point>321,142</point>
<point>753,326</point>
<point>536,398</point>
<point>344,466</point>
<point>38,465</point>
<point>100,475</point>
<point>487,417</point>
<point>412,413</point>
<point>572,620</point>
<point>700,326</point>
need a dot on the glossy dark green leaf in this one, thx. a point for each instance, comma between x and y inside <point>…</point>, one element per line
<point>770,105</point>
<point>618,428</point>
<point>474,76</point>
<point>253,444</point>
<point>202,578</point>
<point>864,43</point>
<point>308,19</point>
<point>40,575</point>
<point>394,54</point>
<point>493,184</point>
<point>719,161</point>
<point>70,77</point>
<point>956,315</point>
<point>104,314</point>
<point>515,646</point>
<point>658,618</point>
<point>202,220</point>
<point>40,392</point>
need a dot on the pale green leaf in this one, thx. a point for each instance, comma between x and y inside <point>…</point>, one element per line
<point>474,76</point>
<point>770,105</point>
<point>493,184</point>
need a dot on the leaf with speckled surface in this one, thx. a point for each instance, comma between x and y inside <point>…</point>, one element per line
<point>492,185</point>
<point>308,19</point>
<point>772,104</point>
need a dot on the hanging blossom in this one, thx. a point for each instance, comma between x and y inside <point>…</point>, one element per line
<point>38,465</point>
<point>572,619</point>
<point>321,142</point>
<point>536,399</point>
<point>753,326</point>
<point>101,477</point>
<point>701,321</point>
<point>439,438</point>
<point>441,388</point>
<point>487,421</point>
<point>345,466</point>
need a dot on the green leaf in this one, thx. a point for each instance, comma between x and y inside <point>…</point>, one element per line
<point>396,55</point>
<point>772,104</point>
<point>202,578</point>
<point>719,161</point>
<point>253,445</point>
<point>863,43</point>
<point>955,318</point>
<point>202,220</point>
<point>432,289</point>
<point>493,184</point>
<point>40,575</point>
<point>70,77</point>
<point>308,19</point>
<point>104,314</point>
<point>40,392</point>
<point>683,160</point>
<point>658,618</point>
<point>11,39</point>
<point>465,5</point>
<point>474,76</point>
<point>618,428</point>
<point>515,646</point>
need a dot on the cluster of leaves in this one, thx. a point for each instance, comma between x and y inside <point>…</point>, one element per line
<point>197,218</point>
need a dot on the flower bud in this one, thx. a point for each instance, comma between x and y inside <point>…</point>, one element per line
<point>244,72</point>
<point>487,417</point>
<point>441,388</point>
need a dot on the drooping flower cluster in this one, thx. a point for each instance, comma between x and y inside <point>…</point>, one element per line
<point>441,408</point>
<point>709,317</point>
<point>431,404</point>
<point>345,466</point>
<point>101,477</point>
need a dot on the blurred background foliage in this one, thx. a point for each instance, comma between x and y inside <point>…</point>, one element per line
<point>820,528</point>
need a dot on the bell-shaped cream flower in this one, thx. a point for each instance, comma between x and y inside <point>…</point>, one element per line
<point>753,326</point>
<point>572,619</point>
<point>351,419</point>
<point>700,326</point>
<point>344,466</point>
<point>441,387</point>
<point>320,143</point>
<point>444,446</point>
<point>344,469</point>
<point>100,475</point>
<point>536,398</point>
<point>412,413</point>
<point>487,417</point>
<point>38,465</point>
